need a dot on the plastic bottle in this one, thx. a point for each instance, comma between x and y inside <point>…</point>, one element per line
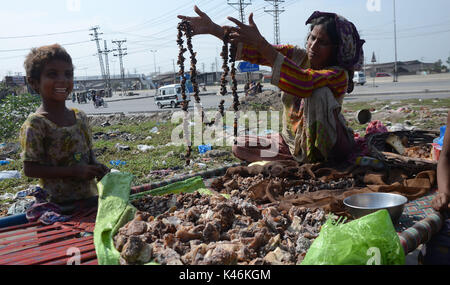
<point>369,161</point>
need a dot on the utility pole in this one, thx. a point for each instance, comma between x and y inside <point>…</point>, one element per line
<point>95,34</point>
<point>275,12</point>
<point>204,74</point>
<point>374,72</point>
<point>121,53</point>
<point>241,8</point>
<point>216,66</point>
<point>395,44</point>
<point>108,75</point>
<point>154,58</point>
<point>174,72</point>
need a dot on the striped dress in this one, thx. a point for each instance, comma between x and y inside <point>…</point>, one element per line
<point>309,135</point>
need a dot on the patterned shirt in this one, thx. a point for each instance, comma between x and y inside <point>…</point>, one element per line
<point>48,144</point>
<point>292,72</point>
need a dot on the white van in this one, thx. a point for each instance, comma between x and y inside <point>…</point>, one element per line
<point>359,78</point>
<point>170,95</point>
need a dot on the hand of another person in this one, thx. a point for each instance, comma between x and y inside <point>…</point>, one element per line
<point>200,25</point>
<point>440,202</point>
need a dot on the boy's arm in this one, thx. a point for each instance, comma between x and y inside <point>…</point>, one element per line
<point>36,170</point>
<point>94,161</point>
<point>441,201</point>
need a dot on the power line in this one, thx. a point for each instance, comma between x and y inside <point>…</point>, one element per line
<point>406,30</point>
<point>411,36</point>
<point>25,49</point>
<point>150,21</point>
<point>184,8</point>
<point>42,35</point>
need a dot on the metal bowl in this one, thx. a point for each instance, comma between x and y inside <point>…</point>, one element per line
<point>363,204</point>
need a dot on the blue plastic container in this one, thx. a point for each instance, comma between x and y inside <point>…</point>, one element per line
<point>440,141</point>
<point>443,128</point>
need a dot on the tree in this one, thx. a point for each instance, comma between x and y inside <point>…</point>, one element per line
<point>437,66</point>
<point>14,109</point>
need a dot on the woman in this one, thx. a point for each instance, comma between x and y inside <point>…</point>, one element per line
<point>437,250</point>
<point>314,82</point>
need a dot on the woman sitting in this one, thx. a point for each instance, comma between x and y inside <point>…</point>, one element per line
<point>314,82</point>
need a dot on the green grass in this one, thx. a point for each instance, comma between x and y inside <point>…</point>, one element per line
<point>418,106</point>
<point>416,103</point>
<point>140,164</point>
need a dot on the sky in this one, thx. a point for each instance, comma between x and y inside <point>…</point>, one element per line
<point>149,28</point>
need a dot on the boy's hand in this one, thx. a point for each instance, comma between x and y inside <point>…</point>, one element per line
<point>441,202</point>
<point>89,171</point>
<point>105,170</point>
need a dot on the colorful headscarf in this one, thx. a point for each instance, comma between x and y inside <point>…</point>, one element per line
<point>350,53</point>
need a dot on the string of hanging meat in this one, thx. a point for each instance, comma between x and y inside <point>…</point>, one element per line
<point>231,55</point>
<point>234,91</point>
<point>184,27</point>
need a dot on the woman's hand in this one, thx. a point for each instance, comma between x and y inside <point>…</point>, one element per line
<point>440,202</point>
<point>248,34</point>
<point>202,24</point>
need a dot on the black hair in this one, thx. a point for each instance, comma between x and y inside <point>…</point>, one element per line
<point>38,57</point>
<point>330,26</point>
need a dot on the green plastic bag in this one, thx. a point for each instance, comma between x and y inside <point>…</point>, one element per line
<point>115,210</point>
<point>370,240</point>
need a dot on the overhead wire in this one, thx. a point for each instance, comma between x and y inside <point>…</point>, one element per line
<point>43,35</point>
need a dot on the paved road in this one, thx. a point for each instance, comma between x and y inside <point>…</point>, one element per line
<point>408,87</point>
<point>146,104</point>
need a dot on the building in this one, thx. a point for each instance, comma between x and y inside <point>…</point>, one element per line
<point>207,78</point>
<point>14,81</point>
<point>15,85</point>
<point>403,67</point>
